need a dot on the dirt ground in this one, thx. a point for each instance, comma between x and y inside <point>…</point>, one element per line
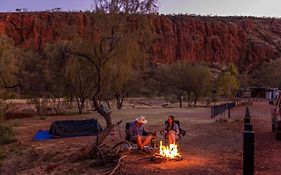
<point>209,147</point>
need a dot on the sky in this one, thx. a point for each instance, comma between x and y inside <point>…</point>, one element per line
<point>270,8</point>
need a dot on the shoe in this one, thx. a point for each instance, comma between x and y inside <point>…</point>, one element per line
<point>145,151</point>
<point>139,151</point>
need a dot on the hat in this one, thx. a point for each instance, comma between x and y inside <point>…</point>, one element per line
<point>141,119</point>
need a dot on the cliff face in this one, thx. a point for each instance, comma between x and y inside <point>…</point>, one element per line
<point>244,41</point>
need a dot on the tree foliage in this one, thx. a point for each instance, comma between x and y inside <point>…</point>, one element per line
<point>269,74</point>
<point>32,74</point>
<point>227,82</point>
<point>9,64</point>
<point>126,6</point>
<point>200,83</point>
<point>182,79</point>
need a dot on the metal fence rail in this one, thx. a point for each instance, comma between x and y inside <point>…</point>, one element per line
<point>218,109</point>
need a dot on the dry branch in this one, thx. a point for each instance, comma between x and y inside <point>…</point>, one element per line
<point>118,165</point>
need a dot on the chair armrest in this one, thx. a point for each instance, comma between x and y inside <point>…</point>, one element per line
<point>146,133</point>
<point>182,132</point>
<point>128,137</point>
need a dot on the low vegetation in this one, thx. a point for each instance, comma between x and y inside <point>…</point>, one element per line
<point>270,75</point>
<point>2,156</point>
<point>7,135</point>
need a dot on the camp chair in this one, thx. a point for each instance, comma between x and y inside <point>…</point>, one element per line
<point>127,144</point>
<point>182,132</point>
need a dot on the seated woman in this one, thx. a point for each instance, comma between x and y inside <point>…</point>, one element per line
<point>171,130</point>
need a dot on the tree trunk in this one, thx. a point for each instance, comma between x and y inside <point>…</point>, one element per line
<point>107,117</point>
<point>195,101</point>
<point>188,100</point>
<point>119,100</point>
<point>180,100</point>
<point>80,104</point>
<point>57,107</point>
<point>37,104</point>
<point>70,101</point>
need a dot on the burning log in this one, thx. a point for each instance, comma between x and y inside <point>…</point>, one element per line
<point>157,158</point>
<point>167,153</point>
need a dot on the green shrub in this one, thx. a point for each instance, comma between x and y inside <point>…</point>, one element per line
<point>7,135</point>
<point>5,105</point>
<point>1,116</point>
<point>2,154</point>
<point>2,157</point>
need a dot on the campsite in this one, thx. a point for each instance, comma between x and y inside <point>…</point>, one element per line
<point>132,87</point>
<point>210,146</point>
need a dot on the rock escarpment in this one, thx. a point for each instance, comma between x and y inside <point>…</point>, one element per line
<point>245,41</point>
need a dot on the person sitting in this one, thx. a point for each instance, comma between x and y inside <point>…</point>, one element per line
<point>136,131</point>
<point>171,130</point>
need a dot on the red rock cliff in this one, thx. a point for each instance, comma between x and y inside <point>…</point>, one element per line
<point>245,41</point>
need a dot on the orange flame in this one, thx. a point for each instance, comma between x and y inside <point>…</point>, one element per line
<point>170,151</point>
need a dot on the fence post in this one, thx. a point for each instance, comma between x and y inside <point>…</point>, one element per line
<point>212,111</point>
<point>247,114</point>
<point>247,120</point>
<point>248,127</point>
<point>248,152</point>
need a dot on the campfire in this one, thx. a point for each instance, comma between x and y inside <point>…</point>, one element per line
<point>169,152</point>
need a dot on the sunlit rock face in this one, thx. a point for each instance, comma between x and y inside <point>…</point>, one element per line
<point>245,41</point>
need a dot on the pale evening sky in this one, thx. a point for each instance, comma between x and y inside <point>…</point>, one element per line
<point>271,8</point>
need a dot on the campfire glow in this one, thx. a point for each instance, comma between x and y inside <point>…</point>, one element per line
<point>170,151</point>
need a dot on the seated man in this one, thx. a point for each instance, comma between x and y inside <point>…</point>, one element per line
<point>136,130</point>
<point>171,130</point>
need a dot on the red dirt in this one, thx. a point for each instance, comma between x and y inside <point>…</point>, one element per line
<point>210,147</point>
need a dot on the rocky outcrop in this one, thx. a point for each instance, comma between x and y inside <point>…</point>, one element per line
<point>245,41</point>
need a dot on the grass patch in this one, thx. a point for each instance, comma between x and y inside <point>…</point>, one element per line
<point>13,123</point>
<point>7,135</point>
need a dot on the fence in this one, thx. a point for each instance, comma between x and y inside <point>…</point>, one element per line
<point>218,109</point>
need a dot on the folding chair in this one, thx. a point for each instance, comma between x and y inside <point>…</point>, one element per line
<point>181,134</point>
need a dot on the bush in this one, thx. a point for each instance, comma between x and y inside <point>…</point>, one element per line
<point>7,135</point>
<point>5,106</point>
<point>2,154</point>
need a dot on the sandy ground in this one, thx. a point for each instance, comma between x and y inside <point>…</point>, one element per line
<point>210,146</point>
